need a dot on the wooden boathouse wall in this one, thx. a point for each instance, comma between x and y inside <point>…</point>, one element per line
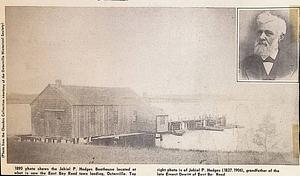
<point>101,120</point>
<point>51,114</point>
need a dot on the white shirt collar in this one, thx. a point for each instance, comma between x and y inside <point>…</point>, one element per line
<point>268,65</point>
<point>273,55</point>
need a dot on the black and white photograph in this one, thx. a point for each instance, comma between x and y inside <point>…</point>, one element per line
<point>268,44</point>
<point>153,86</point>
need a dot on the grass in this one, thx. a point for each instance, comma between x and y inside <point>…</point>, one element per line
<point>49,153</point>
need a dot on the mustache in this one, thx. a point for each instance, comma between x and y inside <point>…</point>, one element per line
<point>262,42</point>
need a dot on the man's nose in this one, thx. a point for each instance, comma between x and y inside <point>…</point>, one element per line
<point>262,35</point>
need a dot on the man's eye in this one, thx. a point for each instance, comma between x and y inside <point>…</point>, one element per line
<point>269,33</point>
<point>259,32</point>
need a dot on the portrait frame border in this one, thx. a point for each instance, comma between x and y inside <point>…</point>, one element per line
<point>238,76</point>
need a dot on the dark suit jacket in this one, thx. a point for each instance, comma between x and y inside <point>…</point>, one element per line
<point>252,67</point>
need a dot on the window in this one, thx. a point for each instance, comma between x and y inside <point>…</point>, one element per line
<point>176,125</point>
<point>58,115</point>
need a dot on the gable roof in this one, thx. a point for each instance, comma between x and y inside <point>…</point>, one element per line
<point>84,95</point>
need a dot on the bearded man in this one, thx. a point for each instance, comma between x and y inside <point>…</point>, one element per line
<point>268,62</point>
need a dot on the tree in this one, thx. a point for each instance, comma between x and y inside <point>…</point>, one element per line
<point>265,135</point>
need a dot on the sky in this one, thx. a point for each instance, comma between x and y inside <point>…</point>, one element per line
<point>151,50</point>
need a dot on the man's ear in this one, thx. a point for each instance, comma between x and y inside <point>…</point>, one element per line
<point>281,37</point>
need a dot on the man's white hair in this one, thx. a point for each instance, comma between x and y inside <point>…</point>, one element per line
<point>277,22</point>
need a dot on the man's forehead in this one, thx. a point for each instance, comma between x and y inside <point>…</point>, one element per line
<point>267,21</point>
<point>271,26</point>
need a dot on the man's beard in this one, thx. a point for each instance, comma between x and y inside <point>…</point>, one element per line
<point>264,48</point>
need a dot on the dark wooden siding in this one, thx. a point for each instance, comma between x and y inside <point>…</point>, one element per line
<point>51,114</point>
<point>146,118</point>
<point>101,120</point>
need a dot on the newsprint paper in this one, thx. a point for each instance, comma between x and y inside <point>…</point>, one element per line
<point>150,88</point>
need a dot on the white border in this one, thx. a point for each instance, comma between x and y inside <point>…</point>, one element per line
<point>238,79</point>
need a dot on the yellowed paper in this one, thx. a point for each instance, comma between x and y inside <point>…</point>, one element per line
<point>150,88</point>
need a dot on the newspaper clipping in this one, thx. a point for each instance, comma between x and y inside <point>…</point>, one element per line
<point>154,88</point>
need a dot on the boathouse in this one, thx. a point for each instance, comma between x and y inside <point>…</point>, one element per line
<point>96,114</point>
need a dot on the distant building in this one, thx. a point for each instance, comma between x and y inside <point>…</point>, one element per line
<point>206,132</point>
<point>18,113</point>
<point>100,114</point>
<point>214,123</point>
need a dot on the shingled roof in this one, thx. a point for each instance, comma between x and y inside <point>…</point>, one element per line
<point>85,95</point>
<point>81,95</point>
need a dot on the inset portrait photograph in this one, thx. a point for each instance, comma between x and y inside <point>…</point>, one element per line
<point>268,45</point>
